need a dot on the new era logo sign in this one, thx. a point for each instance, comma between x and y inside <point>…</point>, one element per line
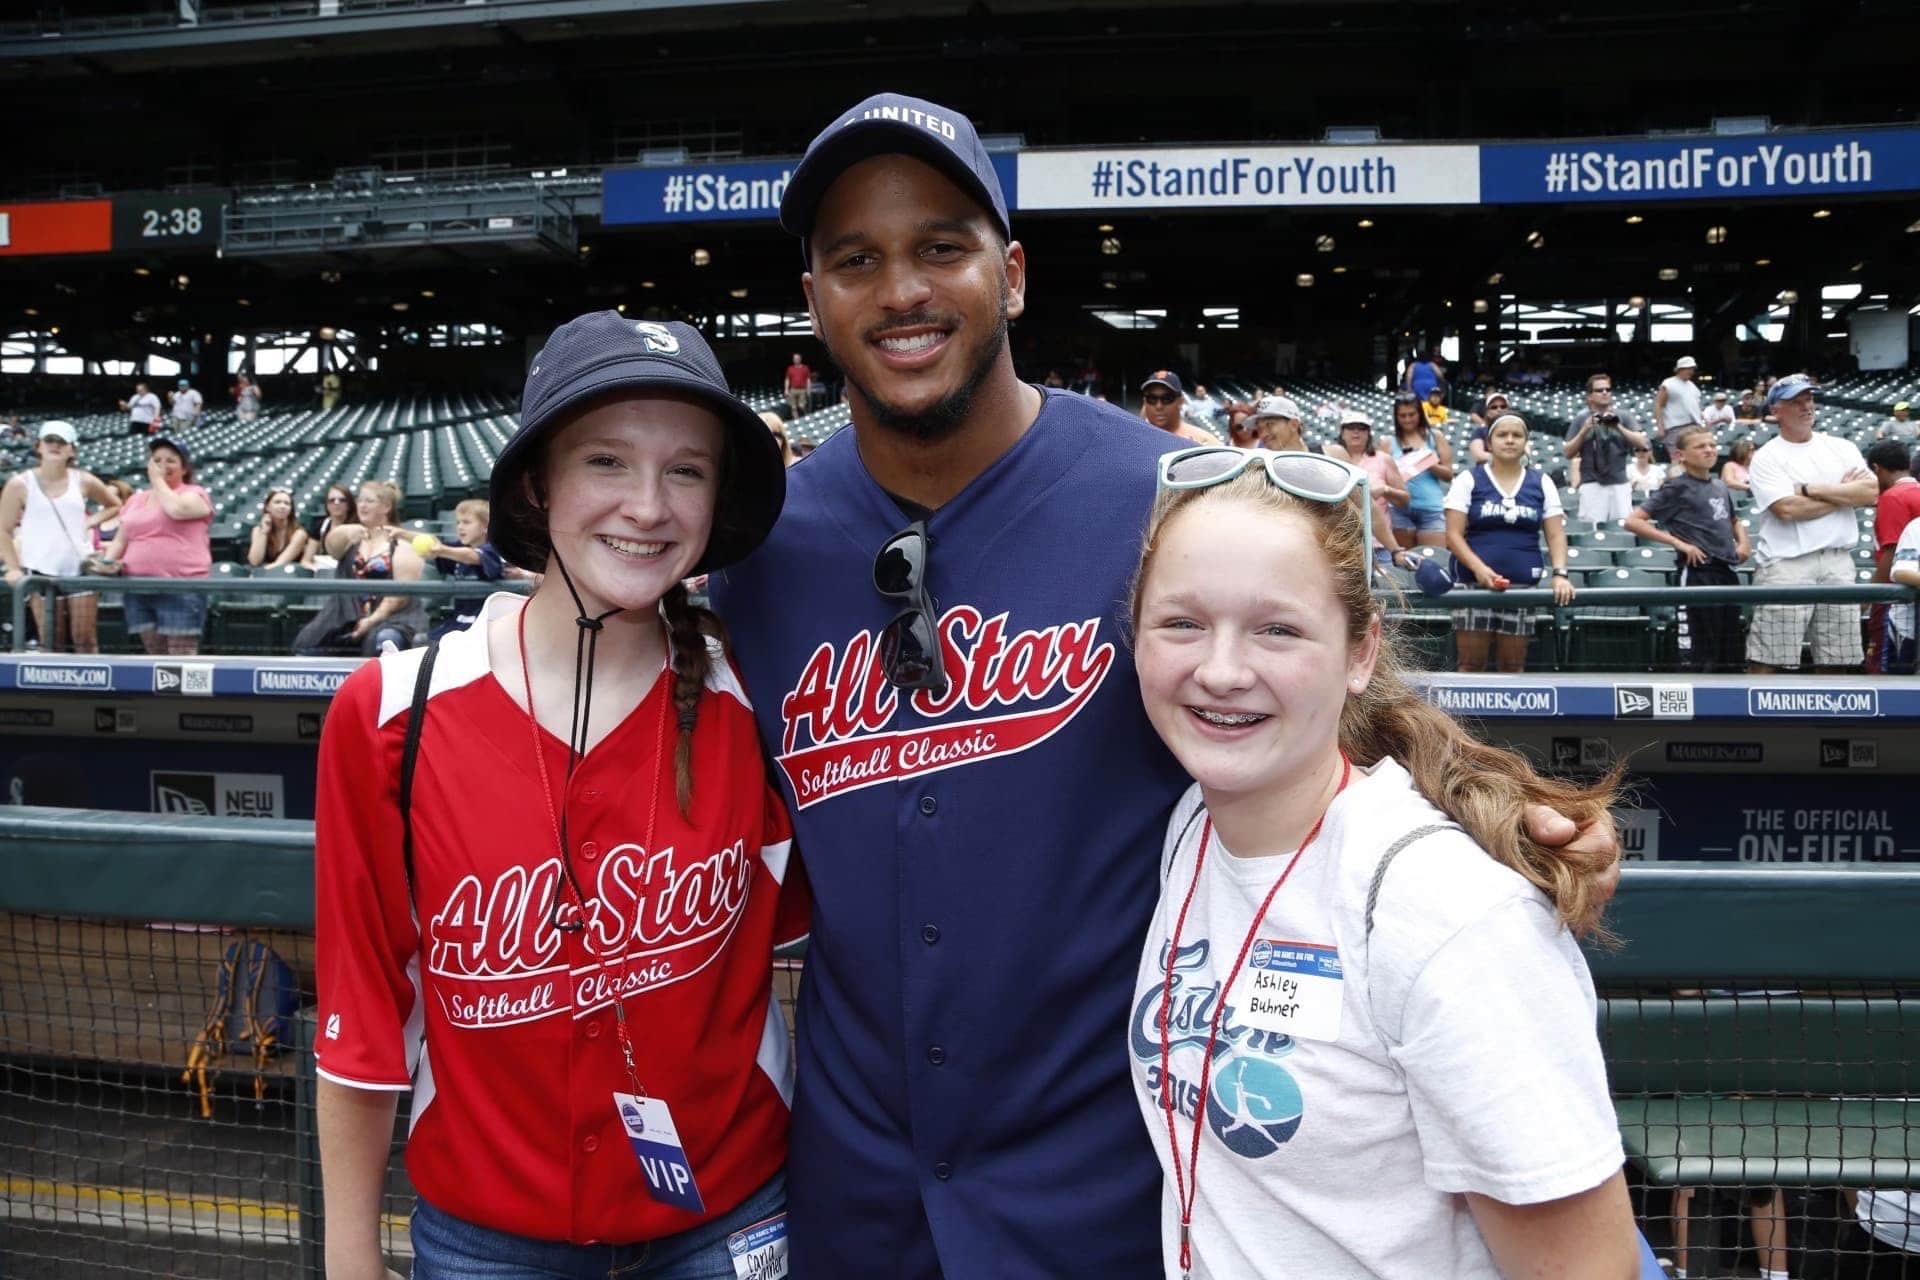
<point>1849,753</point>
<point>1653,702</point>
<point>195,678</point>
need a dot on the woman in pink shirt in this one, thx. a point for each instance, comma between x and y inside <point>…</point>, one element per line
<point>163,534</point>
<point>1734,472</point>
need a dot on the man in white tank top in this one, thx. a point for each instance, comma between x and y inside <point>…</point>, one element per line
<point>1676,405</point>
<point>45,529</point>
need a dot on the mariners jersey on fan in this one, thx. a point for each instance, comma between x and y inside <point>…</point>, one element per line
<point>503,1026</point>
<point>983,863</point>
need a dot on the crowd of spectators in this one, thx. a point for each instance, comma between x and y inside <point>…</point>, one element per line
<point>1495,517</point>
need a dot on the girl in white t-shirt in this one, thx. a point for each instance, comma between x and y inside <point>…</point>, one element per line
<point>1357,1055</point>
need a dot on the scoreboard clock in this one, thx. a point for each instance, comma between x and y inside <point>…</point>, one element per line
<point>160,222</point>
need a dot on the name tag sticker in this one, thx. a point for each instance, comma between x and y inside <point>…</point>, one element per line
<point>656,1143</point>
<point>760,1251</point>
<point>1293,988</point>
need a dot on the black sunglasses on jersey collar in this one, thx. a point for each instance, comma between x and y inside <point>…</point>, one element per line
<point>909,645</point>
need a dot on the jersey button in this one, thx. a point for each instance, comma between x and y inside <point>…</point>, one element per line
<point>929,806</point>
<point>593,1031</point>
<point>592,793</point>
<point>943,1171</point>
<point>590,1146</point>
<point>930,934</point>
<point>936,1055</point>
<point>589,851</point>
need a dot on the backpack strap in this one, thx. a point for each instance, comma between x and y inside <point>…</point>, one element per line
<point>1386,860</point>
<point>410,755</point>
<point>1394,850</point>
<point>1173,850</point>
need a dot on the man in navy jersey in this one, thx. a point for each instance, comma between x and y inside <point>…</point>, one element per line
<point>952,711</point>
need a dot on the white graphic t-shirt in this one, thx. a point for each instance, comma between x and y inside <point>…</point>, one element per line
<point>1359,1085</point>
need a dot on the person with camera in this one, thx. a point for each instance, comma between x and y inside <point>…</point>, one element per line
<point>1600,441</point>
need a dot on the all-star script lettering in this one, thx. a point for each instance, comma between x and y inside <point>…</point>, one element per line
<point>842,703</point>
<point>653,919</point>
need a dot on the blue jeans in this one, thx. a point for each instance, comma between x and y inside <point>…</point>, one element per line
<point>447,1248</point>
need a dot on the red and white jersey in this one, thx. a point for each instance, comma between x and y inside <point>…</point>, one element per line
<point>503,1025</point>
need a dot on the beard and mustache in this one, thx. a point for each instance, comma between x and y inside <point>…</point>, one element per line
<point>941,419</point>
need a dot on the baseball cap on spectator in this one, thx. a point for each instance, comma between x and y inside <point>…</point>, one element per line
<point>61,431</point>
<point>1164,378</point>
<point>1276,407</point>
<point>1501,396</point>
<point>1355,418</point>
<point>1789,387</point>
<point>185,383</point>
<point>1719,395</point>
<point>892,124</point>
<point>168,442</point>
<point>1685,362</point>
<point>604,351</point>
<point>1901,406</point>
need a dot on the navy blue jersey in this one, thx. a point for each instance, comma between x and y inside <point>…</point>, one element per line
<point>1505,531</point>
<point>984,863</point>
<point>467,608</point>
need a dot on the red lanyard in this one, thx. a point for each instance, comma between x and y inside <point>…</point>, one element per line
<point>1186,1174</point>
<point>553,819</point>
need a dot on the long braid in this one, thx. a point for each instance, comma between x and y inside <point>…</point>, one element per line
<point>688,627</point>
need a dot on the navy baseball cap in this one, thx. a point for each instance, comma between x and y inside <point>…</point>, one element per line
<point>1165,378</point>
<point>890,124</point>
<point>1432,579</point>
<point>602,352</point>
<point>1789,387</point>
<point>168,442</point>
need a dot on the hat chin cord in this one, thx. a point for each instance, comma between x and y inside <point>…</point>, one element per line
<point>586,644</point>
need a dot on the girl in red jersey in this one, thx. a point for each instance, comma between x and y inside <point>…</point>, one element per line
<point>557,932</point>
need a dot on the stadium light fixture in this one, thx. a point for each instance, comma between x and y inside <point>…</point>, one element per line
<point>180,281</point>
<point>1636,302</point>
<point>426,293</point>
<point>1823,213</point>
<point>1323,244</point>
<point>736,293</point>
<point>54,329</point>
<point>1304,280</point>
<point>702,258</point>
<point>646,284</point>
<point>401,306</point>
<point>1339,271</point>
<point>1716,235</point>
<point>1479,306</point>
<point>33,311</point>
<point>325,333</point>
<point>622,308</point>
<point>142,271</point>
<point>1536,239</point>
<point>1913,228</point>
<point>1763,262</point>
<point>1790,296</point>
<point>1634,219</point>
<point>1110,246</point>
<point>1669,273</point>
<point>1105,228</point>
<point>1858,266</point>
<point>1365,224</point>
<point>243,302</point>
<point>1496,277</point>
<point>1108,284</point>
